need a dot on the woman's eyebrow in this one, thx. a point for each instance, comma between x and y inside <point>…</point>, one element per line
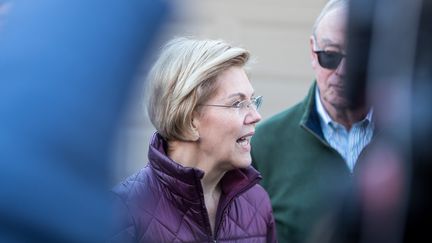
<point>240,94</point>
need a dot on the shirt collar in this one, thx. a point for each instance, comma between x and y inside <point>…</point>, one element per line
<point>320,108</point>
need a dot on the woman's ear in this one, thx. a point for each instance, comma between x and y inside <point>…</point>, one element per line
<point>195,120</point>
<point>195,124</point>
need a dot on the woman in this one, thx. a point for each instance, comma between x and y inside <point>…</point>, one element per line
<point>198,185</point>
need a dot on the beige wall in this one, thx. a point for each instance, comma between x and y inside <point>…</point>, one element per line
<point>275,31</point>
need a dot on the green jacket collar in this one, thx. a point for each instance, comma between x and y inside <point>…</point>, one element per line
<point>310,118</point>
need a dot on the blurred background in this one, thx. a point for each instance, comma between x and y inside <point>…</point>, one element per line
<point>276,32</point>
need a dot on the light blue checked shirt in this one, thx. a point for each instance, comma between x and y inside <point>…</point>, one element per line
<point>350,143</point>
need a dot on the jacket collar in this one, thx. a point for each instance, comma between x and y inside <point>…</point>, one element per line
<point>185,182</point>
<point>310,121</point>
<point>310,118</point>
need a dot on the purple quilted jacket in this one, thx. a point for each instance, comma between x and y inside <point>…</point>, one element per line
<point>164,202</point>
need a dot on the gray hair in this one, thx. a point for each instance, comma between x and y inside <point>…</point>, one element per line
<point>331,5</point>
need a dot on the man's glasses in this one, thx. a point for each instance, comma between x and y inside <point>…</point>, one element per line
<point>329,59</point>
<point>244,105</point>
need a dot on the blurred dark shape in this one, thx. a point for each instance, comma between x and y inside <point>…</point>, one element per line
<point>359,33</point>
<point>390,59</point>
<point>419,215</point>
<point>65,71</point>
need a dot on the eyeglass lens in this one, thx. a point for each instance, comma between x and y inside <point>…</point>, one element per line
<point>256,102</point>
<point>329,59</point>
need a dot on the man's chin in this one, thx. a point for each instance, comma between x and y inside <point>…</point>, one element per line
<point>341,103</point>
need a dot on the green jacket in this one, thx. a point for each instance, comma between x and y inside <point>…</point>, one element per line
<point>301,172</point>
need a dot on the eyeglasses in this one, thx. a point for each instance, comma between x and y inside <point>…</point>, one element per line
<point>329,59</point>
<point>243,105</point>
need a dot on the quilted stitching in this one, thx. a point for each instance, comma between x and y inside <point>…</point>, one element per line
<point>245,224</point>
<point>160,214</point>
<point>245,218</point>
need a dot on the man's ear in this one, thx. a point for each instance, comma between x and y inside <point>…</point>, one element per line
<point>312,53</point>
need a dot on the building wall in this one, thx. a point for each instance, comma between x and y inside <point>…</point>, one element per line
<point>276,32</point>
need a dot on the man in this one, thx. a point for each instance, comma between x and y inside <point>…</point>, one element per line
<point>307,153</point>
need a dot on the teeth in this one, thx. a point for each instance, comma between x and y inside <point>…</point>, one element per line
<point>243,141</point>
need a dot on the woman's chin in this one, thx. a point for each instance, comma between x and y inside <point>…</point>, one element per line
<point>243,162</point>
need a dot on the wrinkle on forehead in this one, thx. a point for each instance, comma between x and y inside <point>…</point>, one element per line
<point>331,30</point>
<point>239,94</point>
<point>233,83</point>
<point>326,42</point>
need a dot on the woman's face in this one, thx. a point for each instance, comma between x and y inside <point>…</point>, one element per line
<point>225,132</point>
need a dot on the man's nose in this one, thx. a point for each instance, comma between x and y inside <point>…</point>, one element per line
<point>341,69</point>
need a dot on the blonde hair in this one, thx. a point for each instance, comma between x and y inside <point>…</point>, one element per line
<point>184,77</point>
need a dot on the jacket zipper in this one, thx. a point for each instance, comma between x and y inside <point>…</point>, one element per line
<point>327,145</point>
<point>206,217</point>
<point>220,214</point>
<point>361,155</point>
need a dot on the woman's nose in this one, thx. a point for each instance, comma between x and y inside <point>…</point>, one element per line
<point>253,116</point>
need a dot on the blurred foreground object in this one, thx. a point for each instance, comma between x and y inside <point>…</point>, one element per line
<point>389,47</point>
<point>65,71</point>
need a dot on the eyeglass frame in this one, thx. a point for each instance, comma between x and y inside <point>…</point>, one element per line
<point>320,52</point>
<point>319,56</point>
<point>255,102</point>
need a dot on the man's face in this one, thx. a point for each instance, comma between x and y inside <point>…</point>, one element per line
<point>330,36</point>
